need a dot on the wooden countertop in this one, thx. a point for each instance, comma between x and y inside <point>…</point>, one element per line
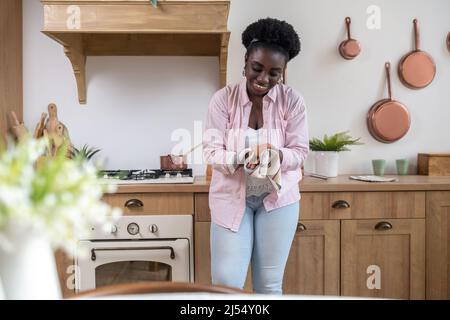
<point>404,183</point>
<point>308,184</point>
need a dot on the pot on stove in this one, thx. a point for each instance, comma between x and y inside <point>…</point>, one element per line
<point>176,162</point>
<point>173,162</point>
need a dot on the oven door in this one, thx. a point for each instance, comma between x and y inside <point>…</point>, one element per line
<point>103,263</point>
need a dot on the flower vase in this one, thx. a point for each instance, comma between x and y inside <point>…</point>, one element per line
<point>27,265</point>
<point>2,294</point>
<point>326,163</point>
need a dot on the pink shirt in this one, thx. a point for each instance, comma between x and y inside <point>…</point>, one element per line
<point>285,121</point>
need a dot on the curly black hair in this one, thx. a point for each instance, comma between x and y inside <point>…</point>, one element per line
<point>272,34</point>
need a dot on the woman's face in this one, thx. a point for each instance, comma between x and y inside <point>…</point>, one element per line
<point>263,70</point>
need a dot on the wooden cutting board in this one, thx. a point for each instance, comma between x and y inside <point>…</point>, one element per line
<point>433,164</point>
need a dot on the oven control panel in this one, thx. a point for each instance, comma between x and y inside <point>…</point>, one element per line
<point>146,227</point>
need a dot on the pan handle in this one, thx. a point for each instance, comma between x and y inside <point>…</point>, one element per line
<point>388,76</point>
<point>448,42</point>
<point>416,34</point>
<point>348,21</point>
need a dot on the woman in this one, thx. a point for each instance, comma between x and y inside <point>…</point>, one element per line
<point>252,217</point>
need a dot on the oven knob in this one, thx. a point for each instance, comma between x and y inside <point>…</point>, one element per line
<point>113,229</point>
<point>153,228</point>
<point>133,229</point>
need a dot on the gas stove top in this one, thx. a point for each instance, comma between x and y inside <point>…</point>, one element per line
<point>147,176</point>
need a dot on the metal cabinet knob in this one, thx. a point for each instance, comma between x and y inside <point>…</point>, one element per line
<point>340,204</point>
<point>301,227</point>
<point>383,225</point>
<point>134,203</point>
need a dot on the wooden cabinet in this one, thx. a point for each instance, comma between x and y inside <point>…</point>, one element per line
<point>438,245</point>
<point>369,244</point>
<point>65,265</point>
<point>11,97</point>
<point>381,243</point>
<point>313,264</point>
<point>202,253</point>
<point>383,258</point>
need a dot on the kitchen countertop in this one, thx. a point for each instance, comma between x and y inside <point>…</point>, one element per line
<point>309,184</point>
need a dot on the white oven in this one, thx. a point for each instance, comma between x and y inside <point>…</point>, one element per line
<point>137,248</point>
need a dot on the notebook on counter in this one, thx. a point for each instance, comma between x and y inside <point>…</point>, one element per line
<point>373,178</point>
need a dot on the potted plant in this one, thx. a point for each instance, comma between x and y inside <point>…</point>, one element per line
<point>45,203</point>
<point>326,151</point>
<point>85,153</point>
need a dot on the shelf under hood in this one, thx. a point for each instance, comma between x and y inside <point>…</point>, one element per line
<point>135,28</point>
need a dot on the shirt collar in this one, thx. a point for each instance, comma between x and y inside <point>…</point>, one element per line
<point>272,94</point>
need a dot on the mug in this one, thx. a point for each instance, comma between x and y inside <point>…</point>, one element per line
<point>402,166</point>
<point>378,167</point>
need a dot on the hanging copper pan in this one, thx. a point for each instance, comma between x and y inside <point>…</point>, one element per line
<point>417,68</point>
<point>388,120</point>
<point>350,48</point>
<point>448,41</point>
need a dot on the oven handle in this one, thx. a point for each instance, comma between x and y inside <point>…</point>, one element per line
<point>94,256</point>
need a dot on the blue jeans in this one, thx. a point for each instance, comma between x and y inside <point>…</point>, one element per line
<point>263,237</point>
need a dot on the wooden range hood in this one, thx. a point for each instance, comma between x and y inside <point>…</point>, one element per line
<point>136,28</point>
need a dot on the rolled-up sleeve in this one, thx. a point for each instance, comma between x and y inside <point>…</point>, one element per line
<point>296,146</point>
<point>215,136</point>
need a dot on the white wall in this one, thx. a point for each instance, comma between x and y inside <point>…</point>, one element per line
<point>134,103</point>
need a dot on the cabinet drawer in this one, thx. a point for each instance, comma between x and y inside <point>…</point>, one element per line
<point>152,203</point>
<point>362,205</point>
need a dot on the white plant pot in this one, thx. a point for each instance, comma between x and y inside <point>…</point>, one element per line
<point>28,268</point>
<point>326,163</point>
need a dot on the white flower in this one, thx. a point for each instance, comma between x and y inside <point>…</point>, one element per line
<point>60,197</point>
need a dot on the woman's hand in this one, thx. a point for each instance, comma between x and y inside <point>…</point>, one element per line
<point>257,151</point>
<point>251,164</point>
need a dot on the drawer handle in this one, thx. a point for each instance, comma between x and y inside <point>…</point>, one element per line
<point>340,204</point>
<point>301,227</point>
<point>383,225</point>
<point>134,203</point>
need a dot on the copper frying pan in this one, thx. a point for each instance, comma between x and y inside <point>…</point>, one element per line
<point>388,120</point>
<point>417,68</point>
<point>350,48</point>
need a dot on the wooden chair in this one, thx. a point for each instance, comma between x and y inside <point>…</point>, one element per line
<point>158,287</point>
